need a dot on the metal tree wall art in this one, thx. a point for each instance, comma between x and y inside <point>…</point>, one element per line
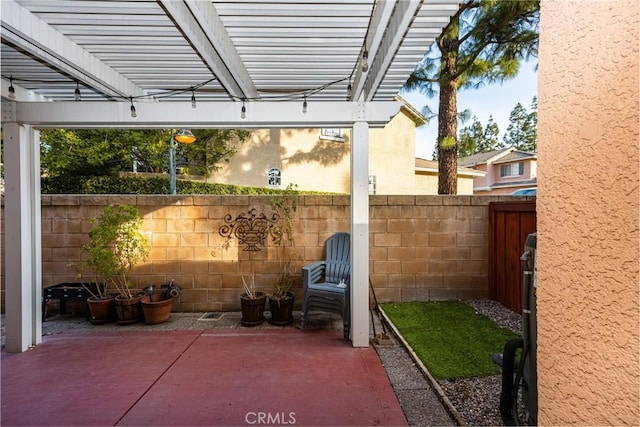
<point>251,229</point>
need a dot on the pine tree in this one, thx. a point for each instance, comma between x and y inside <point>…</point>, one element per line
<point>522,133</point>
<point>484,42</point>
<point>470,138</point>
<point>490,138</point>
<point>475,138</point>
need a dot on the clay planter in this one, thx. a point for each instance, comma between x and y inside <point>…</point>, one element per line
<point>129,310</point>
<point>253,309</point>
<point>281,309</point>
<point>156,311</point>
<point>102,310</point>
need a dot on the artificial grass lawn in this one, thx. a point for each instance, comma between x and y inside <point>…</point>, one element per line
<point>449,337</point>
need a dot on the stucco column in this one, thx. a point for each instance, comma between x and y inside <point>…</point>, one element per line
<point>588,213</point>
<point>23,250</point>
<point>360,234</point>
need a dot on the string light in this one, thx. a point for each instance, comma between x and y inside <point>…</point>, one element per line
<point>243,111</point>
<point>12,90</point>
<point>365,61</point>
<point>349,91</point>
<point>168,93</point>
<point>133,108</point>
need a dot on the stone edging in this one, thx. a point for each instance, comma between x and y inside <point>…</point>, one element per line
<point>434,384</point>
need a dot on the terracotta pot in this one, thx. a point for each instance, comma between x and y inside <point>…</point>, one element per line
<point>156,311</point>
<point>102,310</point>
<point>129,310</point>
<point>281,309</point>
<point>253,309</point>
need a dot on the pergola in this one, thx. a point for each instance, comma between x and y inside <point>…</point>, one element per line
<point>198,64</point>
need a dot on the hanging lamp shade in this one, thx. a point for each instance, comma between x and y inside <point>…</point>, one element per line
<point>184,136</point>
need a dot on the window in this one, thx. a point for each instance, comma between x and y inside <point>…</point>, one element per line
<point>514,169</point>
<point>372,184</point>
<point>274,177</point>
<point>333,134</point>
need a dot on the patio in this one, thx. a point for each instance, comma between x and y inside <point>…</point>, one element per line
<point>210,372</point>
<point>207,65</point>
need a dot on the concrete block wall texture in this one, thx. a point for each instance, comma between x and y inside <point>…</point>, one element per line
<point>588,213</point>
<point>421,247</point>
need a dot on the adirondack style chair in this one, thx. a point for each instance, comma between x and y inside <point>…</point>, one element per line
<point>326,284</point>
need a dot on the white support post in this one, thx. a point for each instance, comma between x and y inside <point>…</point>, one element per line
<point>360,234</point>
<point>23,235</point>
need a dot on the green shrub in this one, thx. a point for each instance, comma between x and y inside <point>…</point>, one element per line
<point>143,185</point>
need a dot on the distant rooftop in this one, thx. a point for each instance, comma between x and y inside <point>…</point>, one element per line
<point>503,155</point>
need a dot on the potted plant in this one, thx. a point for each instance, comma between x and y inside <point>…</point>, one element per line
<point>157,303</point>
<point>282,298</point>
<point>117,243</point>
<point>252,302</point>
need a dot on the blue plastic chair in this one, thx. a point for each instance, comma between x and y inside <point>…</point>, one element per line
<point>326,284</point>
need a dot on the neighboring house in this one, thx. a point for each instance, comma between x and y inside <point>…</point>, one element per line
<point>427,177</point>
<point>319,160</point>
<point>505,170</point>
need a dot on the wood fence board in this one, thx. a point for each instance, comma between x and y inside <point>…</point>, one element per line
<point>509,225</point>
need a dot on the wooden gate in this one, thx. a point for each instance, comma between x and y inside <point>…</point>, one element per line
<point>509,225</point>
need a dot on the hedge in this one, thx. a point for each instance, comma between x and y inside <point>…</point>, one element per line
<point>140,185</point>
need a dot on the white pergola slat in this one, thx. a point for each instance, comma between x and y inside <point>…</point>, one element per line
<point>156,54</point>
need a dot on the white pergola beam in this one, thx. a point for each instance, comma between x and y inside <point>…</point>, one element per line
<point>379,20</point>
<point>360,234</point>
<point>396,28</point>
<point>200,24</point>
<point>23,236</point>
<point>163,115</point>
<point>27,32</point>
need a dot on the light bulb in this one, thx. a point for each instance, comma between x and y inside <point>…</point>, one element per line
<point>304,106</point>
<point>77,93</point>
<point>349,91</point>
<point>243,112</point>
<point>193,99</point>
<point>12,90</point>
<point>134,114</point>
<point>365,61</point>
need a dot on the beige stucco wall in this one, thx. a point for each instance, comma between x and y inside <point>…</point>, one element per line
<point>392,156</point>
<point>303,158</point>
<point>588,213</point>
<point>316,164</point>
<point>426,183</point>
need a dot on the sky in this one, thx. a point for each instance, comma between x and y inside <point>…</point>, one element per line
<point>496,100</point>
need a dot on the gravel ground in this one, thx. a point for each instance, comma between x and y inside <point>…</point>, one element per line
<point>477,399</point>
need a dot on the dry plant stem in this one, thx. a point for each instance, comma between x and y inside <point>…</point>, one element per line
<point>250,288</point>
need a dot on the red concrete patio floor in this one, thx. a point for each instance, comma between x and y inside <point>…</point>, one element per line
<point>197,378</point>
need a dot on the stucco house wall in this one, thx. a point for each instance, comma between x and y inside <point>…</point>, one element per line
<point>490,181</point>
<point>316,163</point>
<point>392,156</point>
<point>427,183</point>
<point>484,181</point>
<point>588,213</point>
<point>529,172</point>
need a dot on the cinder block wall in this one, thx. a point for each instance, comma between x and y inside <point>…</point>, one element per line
<point>421,247</point>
